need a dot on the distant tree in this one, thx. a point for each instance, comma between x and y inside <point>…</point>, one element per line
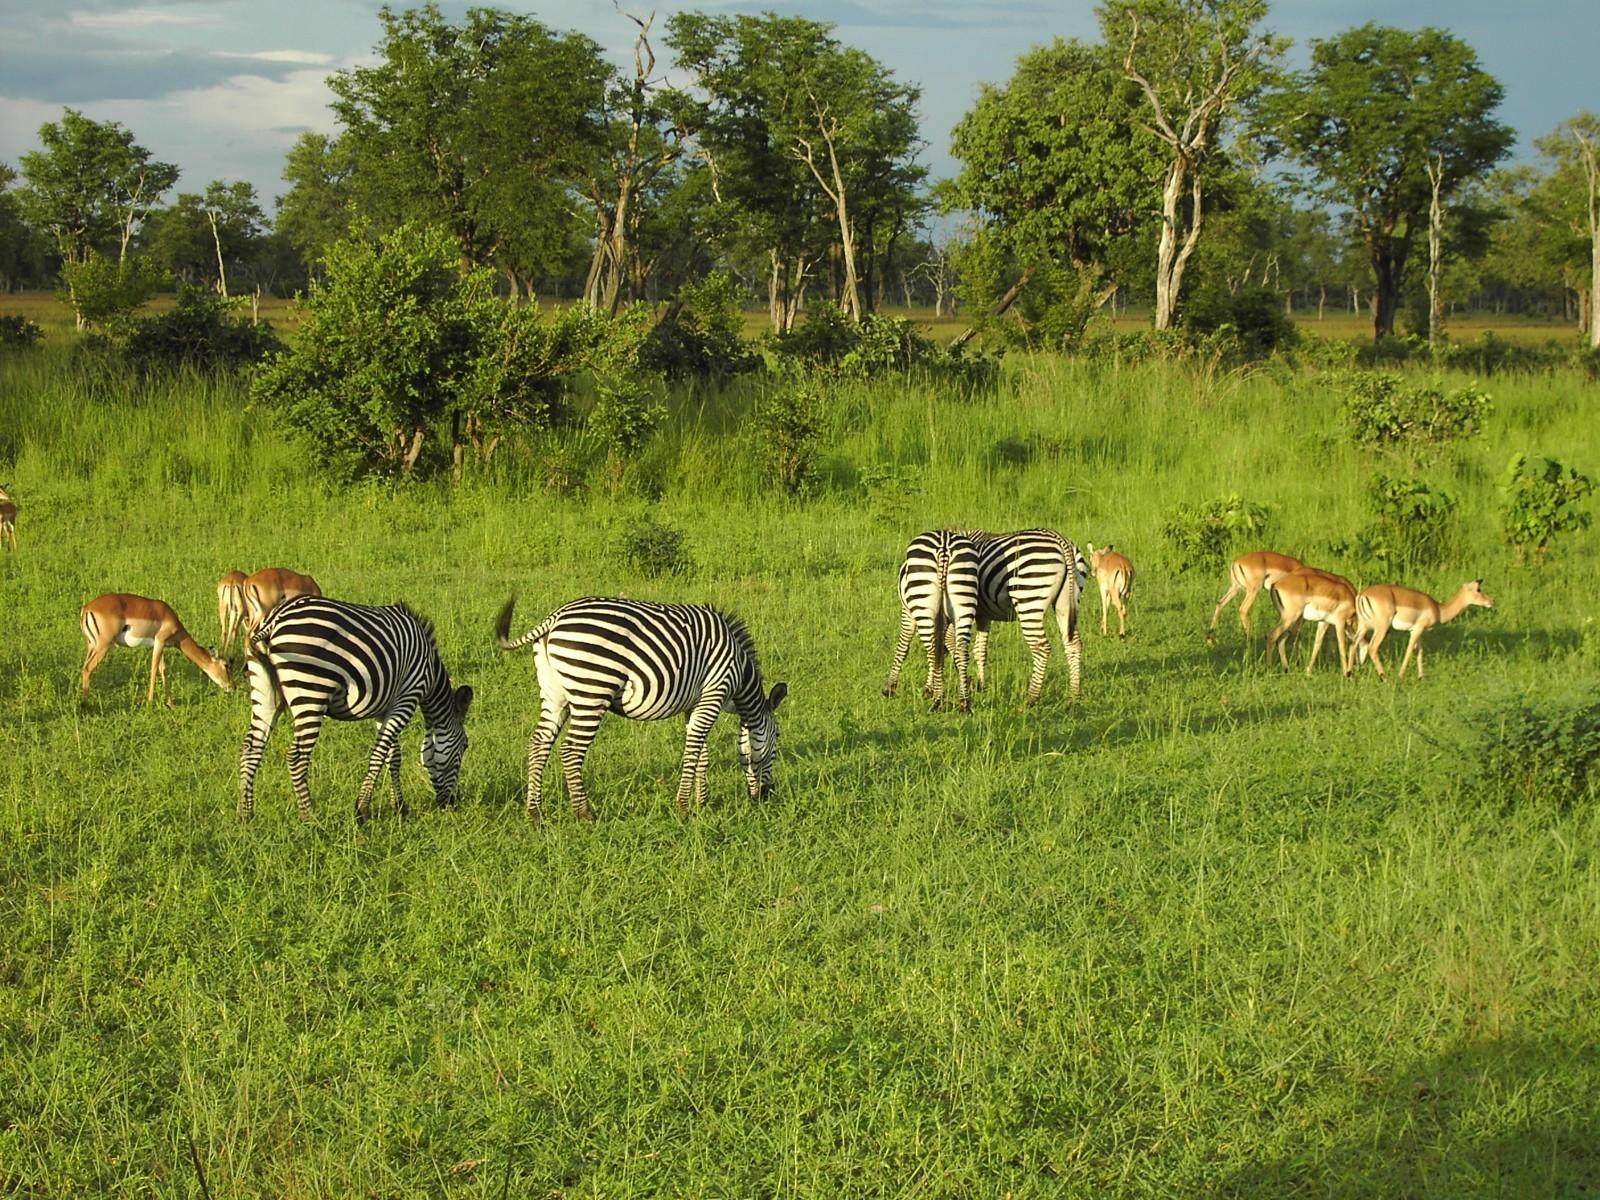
<point>200,235</point>
<point>21,254</point>
<point>797,131</point>
<point>1050,174</point>
<point>1376,107</point>
<point>1195,63</point>
<point>317,209</point>
<point>1573,197</point>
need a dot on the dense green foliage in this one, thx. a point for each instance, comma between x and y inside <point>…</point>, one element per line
<point>1205,535</point>
<point>1212,930</point>
<point>1540,501</point>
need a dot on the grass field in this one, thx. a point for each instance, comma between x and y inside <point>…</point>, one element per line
<point>1214,929</point>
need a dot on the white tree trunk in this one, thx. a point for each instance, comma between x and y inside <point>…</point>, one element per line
<point>1435,250</point>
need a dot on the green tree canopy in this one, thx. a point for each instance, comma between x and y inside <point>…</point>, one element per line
<point>1376,107</point>
<point>1570,197</point>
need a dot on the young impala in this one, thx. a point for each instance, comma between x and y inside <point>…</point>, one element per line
<point>230,607</point>
<point>1312,595</point>
<point>1249,573</point>
<point>1114,573</point>
<point>8,519</point>
<point>270,587</point>
<point>123,620</point>
<point>1384,606</point>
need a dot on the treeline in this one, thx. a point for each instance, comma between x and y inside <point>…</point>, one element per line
<point>1174,163</point>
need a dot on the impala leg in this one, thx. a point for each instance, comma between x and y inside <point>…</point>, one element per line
<point>1105,606</point>
<point>1316,646</point>
<point>155,668</point>
<point>383,749</point>
<point>1411,646</point>
<point>1419,658</point>
<point>91,662</point>
<point>1279,632</point>
<point>1347,652</point>
<point>698,729</point>
<point>1250,594</point>
<point>1379,632</point>
<point>1233,590</point>
<point>902,648</point>
<point>583,724</point>
<point>1122,617</point>
<point>551,719</point>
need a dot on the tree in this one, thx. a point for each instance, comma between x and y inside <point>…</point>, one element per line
<point>796,131</point>
<point>1195,62</point>
<point>91,184</point>
<point>1374,109</point>
<point>1049,173</point>
<point>317,209</point>
<point>200,235</point>
<point>1574,191</point>
<point>21,255</point>
<point>487,128</point>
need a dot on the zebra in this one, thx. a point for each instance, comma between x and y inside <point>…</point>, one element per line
<point>644,661</point>
<point>324,658</point>
<point>1021,575</point>
<point>939,604</point>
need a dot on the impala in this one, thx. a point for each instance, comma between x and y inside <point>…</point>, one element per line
<point>1312,595</point>
<point>230,607</point>
<point>1249,573</point>
<point>8,519</point>
<point>123,620</point>
<point>1114,573</point>
<point>1383,607</point>
<point>270,587</point>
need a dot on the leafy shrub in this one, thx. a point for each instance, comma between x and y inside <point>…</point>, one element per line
<point>104,293</point>
<point>1386,413</point>
<point>828,343</point>
<point>789,431</point>
<point>1204,534</point>
<point>1490,354</point>
<point>703,334</point>
<point>894,494</point>
<point>1540,750</point>
<point>654,548</point>
<point>626,415</point>
<point>1587,360</point>
<point>822,338</point>
<point>1537,504</point>
<point>1254,318</point>
<point>19,333</point>
<point>200,332</point>
<point>1413,523</point>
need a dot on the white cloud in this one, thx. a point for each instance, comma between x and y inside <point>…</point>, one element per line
<point>141,18</point>
<point>309,57</point>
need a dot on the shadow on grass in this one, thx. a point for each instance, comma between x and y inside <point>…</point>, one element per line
<point>1510,1117</point>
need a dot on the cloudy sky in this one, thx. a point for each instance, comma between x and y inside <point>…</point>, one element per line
<point>223,87</point>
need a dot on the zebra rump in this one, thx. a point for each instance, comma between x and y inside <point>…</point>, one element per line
<point>644,661</point>
<point>938,605</point>
<point>1022,576</point>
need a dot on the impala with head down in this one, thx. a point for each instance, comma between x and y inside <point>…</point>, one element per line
<point>270,587</point>
<point>1249,573</point>
<point>1114,573</point>
<point>230,607</point>
<point>1312,595</point>
<point>8,519</point>
<point>1384,606</point>
<point>120,619</point>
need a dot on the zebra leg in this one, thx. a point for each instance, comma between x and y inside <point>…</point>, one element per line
<point>691,778</point>
<point>263,714</point>
<point>394,779</point>
<point>932,631</point>
<point>1071,636</point>
<point>307,725</point>
<point>539,745</point>
<point>902,648</point>
<point>960,640</point>
<point>383,749</point>
<point>980,650</point>
<point>1031,623</point>
<point>581,728</point>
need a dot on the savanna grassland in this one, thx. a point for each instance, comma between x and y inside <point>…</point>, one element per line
<point>1212,929</point>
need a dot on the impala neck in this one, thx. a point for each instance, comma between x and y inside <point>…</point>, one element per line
<point>192,650</point>
<point>1453,607</point>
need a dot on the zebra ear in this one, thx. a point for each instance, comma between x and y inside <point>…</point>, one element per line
<point>463,700</point>
<point>779,691</point>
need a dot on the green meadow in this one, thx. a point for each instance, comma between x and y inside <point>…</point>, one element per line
<point>1212,929</point>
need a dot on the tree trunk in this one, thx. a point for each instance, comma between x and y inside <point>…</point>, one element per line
<point>1322,300</point>
<point>1435,250</point>
<point>1594,290</point>
<point>216,240</point>
<point>1005,302</point>
<point>418,436</point>
<point>1172,255</point>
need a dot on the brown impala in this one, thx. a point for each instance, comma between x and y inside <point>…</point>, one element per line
<point>1249,573</point>
<point>270,587</point>
<point>118,619</point>
<point>1383,607</point>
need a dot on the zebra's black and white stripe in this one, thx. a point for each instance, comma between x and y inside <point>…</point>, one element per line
<point>1022,576</point>
<point>939,604</point>
<point>645,661</point>
<point>323,658</point>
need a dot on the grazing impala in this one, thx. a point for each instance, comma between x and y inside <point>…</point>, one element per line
<point>1114,573</point>
<point>1249,573</point>
<point>230,607</point>
<point>270,587</point>
<point>1384,606</point>
<point>123,620</point>
<point>8,519</point>
<point>1312,595</point>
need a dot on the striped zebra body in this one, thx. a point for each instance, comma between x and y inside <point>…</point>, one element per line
<point>1021,577</point>
<point>645,661</point>
<point>938,604</point>
<point>322,658</point>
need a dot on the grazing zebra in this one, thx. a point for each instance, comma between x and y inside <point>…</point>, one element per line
<point>1021,575</point>
<point>324,658</point>
<point>938,603</point>
<point>645,661</point>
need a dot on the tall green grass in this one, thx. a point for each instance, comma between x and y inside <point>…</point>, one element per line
<point>1213,929</point>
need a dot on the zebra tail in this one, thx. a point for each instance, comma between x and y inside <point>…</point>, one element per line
<point>502,629</point>
<point>257,649</point>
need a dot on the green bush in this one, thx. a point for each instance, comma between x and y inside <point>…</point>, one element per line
<point>1545,750</point>
<point>1537,504</point>
<point>200,332</point>
<point>702,336</point>
<point>626,415</point>
<point>104,293</point>
<point>19,333</point>
<point>1253,318</point>
<point>1203,535</point>
<point>1385,413</point>
<point>654,548</point>
<point>1413,523</point>
<point>789,430</point>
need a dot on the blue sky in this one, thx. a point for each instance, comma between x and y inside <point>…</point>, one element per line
<point>223,87</point>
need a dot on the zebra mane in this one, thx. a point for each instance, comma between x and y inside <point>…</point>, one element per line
<point>742,640</point>
<point>427,625</point>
